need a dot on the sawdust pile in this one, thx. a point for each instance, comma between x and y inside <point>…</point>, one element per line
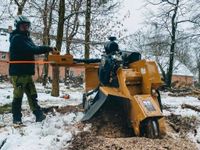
<point>111,124</point>
<point>88,141</point>
<point>110,131</point>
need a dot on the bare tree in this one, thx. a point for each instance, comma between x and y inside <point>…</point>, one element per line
<point>47,21</point>
<point>170,17</point>
<point>72,23</point>
<point>60,28</point>
<point>87,28</point>
<point>20,4</point>
<point>72,26</point>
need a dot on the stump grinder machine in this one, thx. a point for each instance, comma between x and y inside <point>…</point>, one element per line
<point>132,81</point>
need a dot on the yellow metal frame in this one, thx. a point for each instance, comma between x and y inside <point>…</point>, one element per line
<point>135,84</point>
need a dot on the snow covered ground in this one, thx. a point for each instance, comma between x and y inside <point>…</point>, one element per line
<point>174,104</point>
<point>57,130</point>
<point>54,132</point>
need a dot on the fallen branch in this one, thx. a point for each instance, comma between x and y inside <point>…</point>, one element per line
<point>195,108</point>
<point>180,94</point>
<point>180,90</point>
<point>3,142</point>
<point>196,92</point>
<point>174,127</point>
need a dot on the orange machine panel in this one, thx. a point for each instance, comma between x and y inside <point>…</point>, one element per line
<point>91,78</point>
<point>61,59</point>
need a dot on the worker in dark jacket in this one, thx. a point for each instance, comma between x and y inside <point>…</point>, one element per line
<point>22,48</point>
<point>108,67</point>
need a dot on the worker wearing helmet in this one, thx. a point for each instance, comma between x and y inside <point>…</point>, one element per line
<point>22,48</point>
<point>108,67</point>
<point>111,47</point>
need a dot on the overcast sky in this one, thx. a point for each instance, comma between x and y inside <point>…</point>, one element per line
<point>134,8</point>
<point>136,14</point>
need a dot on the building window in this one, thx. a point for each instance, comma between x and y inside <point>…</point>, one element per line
<point>3,56</point>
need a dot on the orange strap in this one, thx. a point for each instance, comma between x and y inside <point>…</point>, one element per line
<point>30,62</point>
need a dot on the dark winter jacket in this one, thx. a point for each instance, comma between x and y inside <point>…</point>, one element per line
<point>22,48</point>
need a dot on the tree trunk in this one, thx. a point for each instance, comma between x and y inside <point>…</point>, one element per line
<point>87,29</point>
<point>47,21</point>
<point>198,71</point>
<point>71,31</point>
<point>20,6</point>
<point>38,72</point>
<point>172,47</point>
<point>68,43</point>
<point>162,71</point>
<point>19,10</point>
<point>45,42</point>
<point>55,83</point>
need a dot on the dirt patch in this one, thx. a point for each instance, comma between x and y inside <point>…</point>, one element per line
<point>5,109</point>
<point>69,109</point>
<point>63,110</point>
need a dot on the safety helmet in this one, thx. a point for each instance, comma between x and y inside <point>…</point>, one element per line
<point>111,47</point>
<point>21,19</point>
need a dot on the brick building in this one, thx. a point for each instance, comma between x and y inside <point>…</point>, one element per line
<point>4,55</point>
<point>182,76</point>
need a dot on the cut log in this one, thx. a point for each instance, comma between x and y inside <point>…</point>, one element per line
<point>195,108</point>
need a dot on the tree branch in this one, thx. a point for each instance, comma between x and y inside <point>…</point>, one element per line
<point>17,3</point>
<point>74,13</point>
<point>169,2</point>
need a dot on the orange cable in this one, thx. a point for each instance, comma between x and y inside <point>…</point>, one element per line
<point>30,62</point>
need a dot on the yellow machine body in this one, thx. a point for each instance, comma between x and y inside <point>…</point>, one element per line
<point>136,84</point>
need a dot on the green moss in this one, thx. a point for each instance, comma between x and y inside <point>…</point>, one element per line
<point>5,108</point>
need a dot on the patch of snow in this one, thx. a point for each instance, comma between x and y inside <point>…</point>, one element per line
<point>176,102</point>
<point>195,138</point>
<point>55,132</point>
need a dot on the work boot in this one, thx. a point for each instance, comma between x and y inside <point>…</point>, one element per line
<point>16,111</point>
<point>17,121</point>
<point>39,115</point>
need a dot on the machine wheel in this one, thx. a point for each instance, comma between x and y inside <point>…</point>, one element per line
<point>152,129</point>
